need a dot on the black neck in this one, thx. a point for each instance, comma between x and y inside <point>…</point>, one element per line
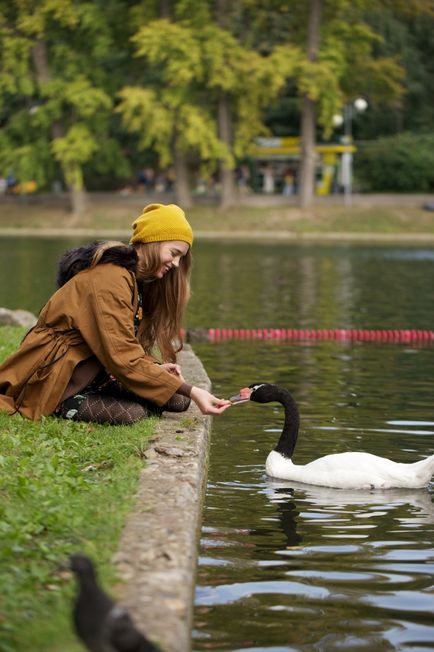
<point>288,438</point>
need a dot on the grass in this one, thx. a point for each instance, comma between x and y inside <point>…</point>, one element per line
<point>368,215</point>
<point>64,487</point>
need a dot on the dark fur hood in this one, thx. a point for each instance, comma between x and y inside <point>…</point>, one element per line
<point>79,258</point>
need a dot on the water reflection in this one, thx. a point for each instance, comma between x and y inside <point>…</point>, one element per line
<point>339,506</point>
<point>345,554</point>
<point>261,285</point>
<point>311,286</point>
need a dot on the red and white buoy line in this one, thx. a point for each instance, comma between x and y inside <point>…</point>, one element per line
<point>321,334</point>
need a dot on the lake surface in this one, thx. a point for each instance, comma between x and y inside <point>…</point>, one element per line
<point>282,566</point>
<point>291,567</point>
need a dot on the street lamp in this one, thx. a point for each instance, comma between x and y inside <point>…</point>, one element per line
<point>359,106</point>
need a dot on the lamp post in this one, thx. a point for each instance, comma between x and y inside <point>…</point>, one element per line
<point>359,105</point>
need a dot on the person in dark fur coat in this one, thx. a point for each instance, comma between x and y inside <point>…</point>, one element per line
<point>105,344</point>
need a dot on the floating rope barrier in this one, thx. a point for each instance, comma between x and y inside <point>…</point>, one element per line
<point>337,334</point>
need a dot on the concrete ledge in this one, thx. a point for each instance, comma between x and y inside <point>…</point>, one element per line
<point>157,556</point>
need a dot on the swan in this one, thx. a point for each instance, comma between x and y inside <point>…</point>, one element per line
<point>340,470</point>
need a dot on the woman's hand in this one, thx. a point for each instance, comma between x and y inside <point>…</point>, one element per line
<point>174,369</point>
<point>207,403</point>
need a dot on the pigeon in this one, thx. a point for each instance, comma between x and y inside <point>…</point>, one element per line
<point>100,623</point>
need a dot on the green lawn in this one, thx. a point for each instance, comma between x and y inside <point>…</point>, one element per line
<point>372,214</point>
<point>64,487</point>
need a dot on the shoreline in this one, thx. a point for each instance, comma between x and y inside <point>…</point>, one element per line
<point>261,236</point>
<point>157,555</point>
<point>253,218</point>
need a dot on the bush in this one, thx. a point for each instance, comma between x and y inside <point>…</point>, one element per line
<point>401,163</point>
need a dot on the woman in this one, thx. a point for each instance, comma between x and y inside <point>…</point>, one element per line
<point>90,356</point>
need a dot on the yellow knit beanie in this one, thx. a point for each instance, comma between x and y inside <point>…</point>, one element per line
<point>159,222</point>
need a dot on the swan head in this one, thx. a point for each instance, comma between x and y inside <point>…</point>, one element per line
<point>259,393</point>
<point>268,393</point>
<point>245,394</point>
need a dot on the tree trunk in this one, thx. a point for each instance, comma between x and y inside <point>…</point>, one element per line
<point>308,156</point>
<point>77,192</point>
<point>42,72</point>
<point>227,197</point>
<point>308,119</point>
<point>165,9</point>
<point>224,117</point>
<point>182,186</point>
<point>78,199</point>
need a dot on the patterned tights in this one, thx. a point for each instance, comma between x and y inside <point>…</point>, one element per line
<point>112,404</point>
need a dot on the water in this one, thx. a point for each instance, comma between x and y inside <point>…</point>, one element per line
<point>290,567</point>
<point>264,285</point>
<point>284,566</point>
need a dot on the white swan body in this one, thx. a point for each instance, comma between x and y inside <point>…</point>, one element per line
<point>340,470</point>
<point>352,471</point>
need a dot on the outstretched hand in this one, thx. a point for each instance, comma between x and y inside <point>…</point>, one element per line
<point>207,403</point>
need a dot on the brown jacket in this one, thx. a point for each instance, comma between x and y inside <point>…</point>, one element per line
<point>90,318</point>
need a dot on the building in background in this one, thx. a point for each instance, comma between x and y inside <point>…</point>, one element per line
<point>280,159</point>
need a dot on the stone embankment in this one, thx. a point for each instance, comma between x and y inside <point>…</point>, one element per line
<point>156,561</point>
<point>17,318</point>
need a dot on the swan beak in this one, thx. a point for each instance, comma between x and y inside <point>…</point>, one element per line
<point>242,397</point>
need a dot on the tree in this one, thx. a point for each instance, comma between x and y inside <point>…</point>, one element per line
<point>206,97</point>
<point>308,121</point>
<point>168,114</point>
<point>224,118</point>
<point>340,68</point>
<point>243,83</point>
<point>408,38</point>
<point>54,91</point>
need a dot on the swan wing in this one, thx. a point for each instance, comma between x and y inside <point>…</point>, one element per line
<point>352,470</point>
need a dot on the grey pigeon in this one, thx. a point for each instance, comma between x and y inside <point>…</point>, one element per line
<point>101,624</point>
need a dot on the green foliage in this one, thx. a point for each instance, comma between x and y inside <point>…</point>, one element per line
<point>384,81</point>
<point>407,38</point>
<point>27,161</point>
<point>32,18</point>
<point>110,157</point>
<point>171,47</point>
<point>402,163</point>
<point>170,114</point>
<point>316,80</point>
<point>152,118</point>
<point>193,62</point>
<point>224,59</point>
<point>411,7</point>
<point>198,133</point>
<point>74,149</point>
<point>64,487</point>
<point>14,53</point>
<point>253,54</point>
<point>350,66</point>
<point>85,100</point>
<point>55,83</point>
<point>261,80</point>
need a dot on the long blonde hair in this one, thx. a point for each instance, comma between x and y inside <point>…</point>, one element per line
<point>164,300</point>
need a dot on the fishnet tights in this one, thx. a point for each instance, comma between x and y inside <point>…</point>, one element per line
<point>99,408</point>
<point>115,405</point>
<point>176,403</point>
